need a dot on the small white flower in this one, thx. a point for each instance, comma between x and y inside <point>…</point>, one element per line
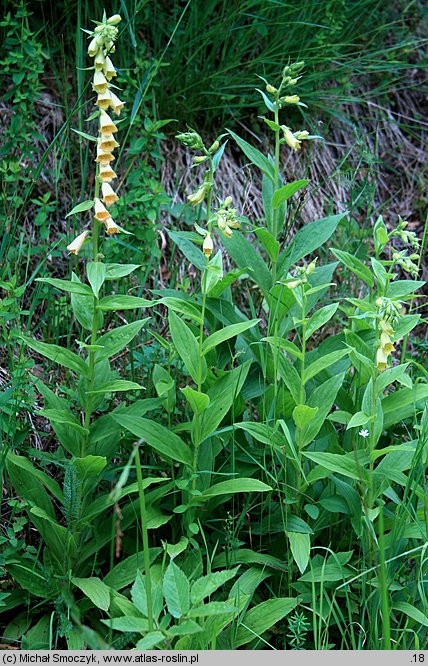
<point>364,433</point>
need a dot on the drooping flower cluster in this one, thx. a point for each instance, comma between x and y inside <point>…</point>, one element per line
<point>100,48</point>
<point>389,313</point>
<point>224,218</point>
<point>301,276</point>
<point>290,77</point>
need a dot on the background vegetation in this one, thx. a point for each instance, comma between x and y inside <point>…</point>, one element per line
<point>318,539</point>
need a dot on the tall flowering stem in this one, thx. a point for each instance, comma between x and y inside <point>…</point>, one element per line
<point>101,47</point>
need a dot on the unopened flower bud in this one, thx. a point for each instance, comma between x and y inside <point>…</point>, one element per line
<point>78,242</point>
<point>114,20</point>
<point>227,201</point>
<point>214,147</point>
<point>311,267</point>
<point>271,89</point>
<point>303,134</point>
<point>291,99</point>
<point>198,159</point>
<point>292,82</point>
<point>208,245</point>
<point>191,140</point>
<point>198,196</point>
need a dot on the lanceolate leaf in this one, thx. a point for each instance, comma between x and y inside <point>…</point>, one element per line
<point>187,347</point>
<point>159,438</point>
<point>255,156</point>
<point>60,355</point>
<point>73,287</point>
<point>226,333</point>
<point>80,208</point>
<point>308,239</point>
<point>114,341</point>
<point>287,191</point>
<point>176,590</point>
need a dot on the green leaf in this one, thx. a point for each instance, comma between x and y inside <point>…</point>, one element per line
<point>322,397</point>
<point>359,419</point>
<point>73,287</point>
<point>271,245</point>
<point>189,249</point>
<point>123,303</point>
<point>222,395</point>
<point>355,265</point>
<point>96,272</point>
<point>114,341</point>
<point>157,436</point>
<point>287,191</point>
<point>180,305</point>
<point>89,467</point>
<point>323,362</point>
<point>261,618</point>
<point>59,355</point>
<point>116,271</point>
<point>403,404</point>
<point>150,640</point>
<point>83,305</point>
<point>308,239</point>
<point>300,545</point>
<point>197,401</point>
<point>207,585</point>
<point>303,415</point>
<point>139,596</point>
<point>226,333</point>
<point>232,486</point>
<point>213,608</point>
<point>214,273</point>
<point>97,591</point>
<point>403,288</point>
<point>341,464</point>
<point>176,590</point>
<point>412,612</point>
<point>255,156</point>
<point>269,105</point>
<point>127,623</point>
<point>187,347</point>
<point>116,385</point>
<point>319,318</point>
<point>89,137</point>
<point>246,257</point>
<point>64,417</point>
<point>80,208</point>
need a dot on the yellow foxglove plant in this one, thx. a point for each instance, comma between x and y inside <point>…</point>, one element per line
<point>85,423</point>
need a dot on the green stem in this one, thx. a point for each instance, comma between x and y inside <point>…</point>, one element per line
<point>94,331</point>
<point>383,587</point>
<point>302,395</point>
<point>276,177</point>
<point>145,535</point>
<point>196,442</point>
